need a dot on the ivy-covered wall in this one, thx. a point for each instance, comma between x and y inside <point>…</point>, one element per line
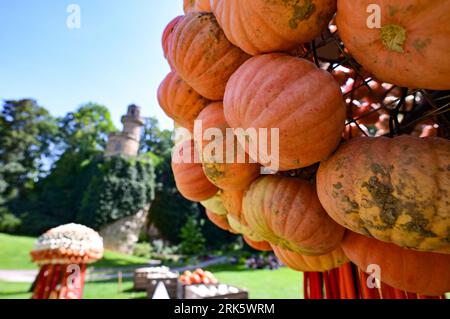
<point>96,192</point>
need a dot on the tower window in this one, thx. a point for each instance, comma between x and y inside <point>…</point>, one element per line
<point>118,147</point>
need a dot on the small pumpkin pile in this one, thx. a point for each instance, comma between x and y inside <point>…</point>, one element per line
<point>322,90</point>
<point>198,277</point>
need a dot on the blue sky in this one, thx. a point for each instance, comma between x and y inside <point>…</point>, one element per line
<point>114,59</point>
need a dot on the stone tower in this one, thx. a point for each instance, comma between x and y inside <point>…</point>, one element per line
<point>127,141</point>
<point>122,235</point>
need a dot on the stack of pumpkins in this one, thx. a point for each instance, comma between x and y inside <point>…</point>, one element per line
<point>375,200</point>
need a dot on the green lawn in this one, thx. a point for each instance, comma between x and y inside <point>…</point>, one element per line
<point>283,283</point>
<point>14,254</point>
<point>262,284</point>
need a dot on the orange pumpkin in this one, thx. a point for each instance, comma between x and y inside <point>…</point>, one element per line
<point>304,263</point>
<point>261,26</point>
<point>258,245</point>
<point>167,33</point>
<point>232,201</point>
<point>277,91</point>
<point>196,6</point>
<point>409,47</point>
<point>189,177</point>
<point>416,272</point>
<point>179,101</point>
<point>238,228</point>
<point>215,205</point>
<point>202,55</point>
<point>222,173</point>
<point>395,190</point>
<point>220,221</point>
<point>286,212</point>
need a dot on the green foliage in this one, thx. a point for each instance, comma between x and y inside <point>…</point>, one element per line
<point>192,239</point>
<point>91,190</point>
<point>143,250</point>
<point>87,128</point>
<point>27,132</point>
<point>56,198</point>
<point>8,222</point>
<point>119,187</point>
<point>154,139</point>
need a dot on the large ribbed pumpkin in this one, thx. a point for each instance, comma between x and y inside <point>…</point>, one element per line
<point>290,94</point>
<point>189,177</point>
<point>226,175</point>
<point>232,201</point>
<point>196,6</point>
<point>416,272</point>
<point>300,262</point>
<point>179,101</point>
<point>202,55</point>
<point>243,229</point>
<point>286,212</point>
<point>215,205</point>
<point>261,26</point>
<point>396,190</point>
<point>258,245</point>
<point>167,33</point>
<point>408,47</point>
<point>220,221</point>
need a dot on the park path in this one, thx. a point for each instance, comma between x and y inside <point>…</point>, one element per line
<point>18,275</point>
<point>100,273</point>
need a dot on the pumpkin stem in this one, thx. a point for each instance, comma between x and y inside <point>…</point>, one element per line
<point>393,37</point>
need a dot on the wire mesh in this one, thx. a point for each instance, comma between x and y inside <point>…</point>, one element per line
<point>375,108</point>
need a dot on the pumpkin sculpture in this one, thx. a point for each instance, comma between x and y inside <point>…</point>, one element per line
<point>202,55</point>
<point>299,262</point>
<point>196,6</point>
<point>287,213</point>
<point>395,190</point>
<point>188,173</point>
<point>167,33</point>
<point>277,91</point>
<point>236,174</point>
<point>261,26</point>
<point>410,45</point>
<point>179,101</point>
<point>416,272</point>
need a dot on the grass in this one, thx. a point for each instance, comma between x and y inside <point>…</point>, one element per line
<point>261,284</point>
<point>283,283</point>
<point>15,254</point>
<point>92,290</point>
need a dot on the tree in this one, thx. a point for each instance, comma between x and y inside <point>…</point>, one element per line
<point>86,129</point>
<point>155,140</point>
<point>92,192</point>
<point>27,133</point>
<point>192,239</point>
<point>118,187</point>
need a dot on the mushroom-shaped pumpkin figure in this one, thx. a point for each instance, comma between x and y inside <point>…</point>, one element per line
<point>62,254</point>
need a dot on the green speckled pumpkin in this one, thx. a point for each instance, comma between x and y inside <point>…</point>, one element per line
<point>395,190</point>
